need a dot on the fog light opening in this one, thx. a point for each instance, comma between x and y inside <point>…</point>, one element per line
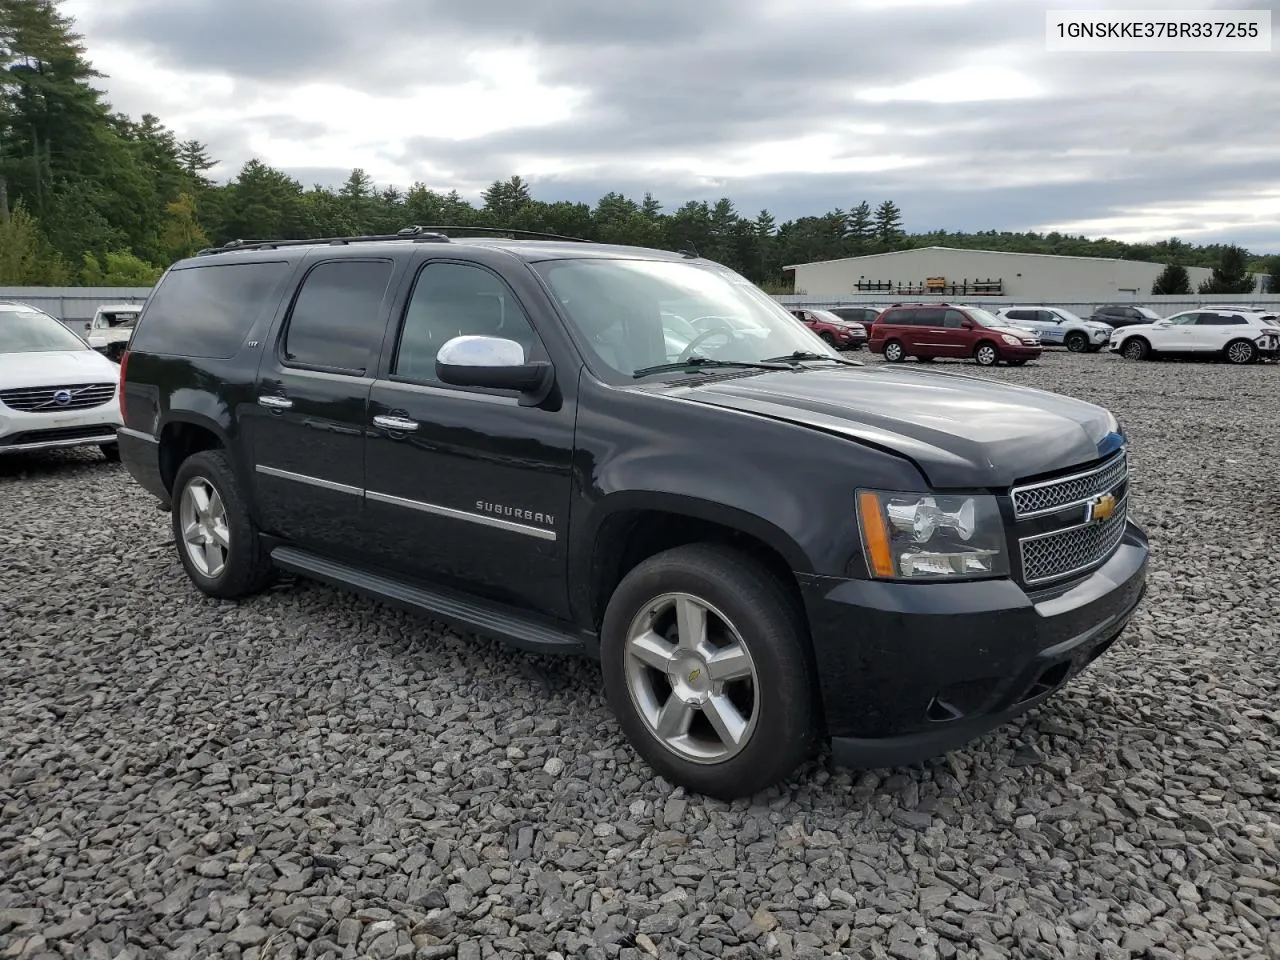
<point>1052,678</point>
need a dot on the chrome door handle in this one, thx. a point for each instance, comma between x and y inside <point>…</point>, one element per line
<point>395,424</point>
<point>275,403</point>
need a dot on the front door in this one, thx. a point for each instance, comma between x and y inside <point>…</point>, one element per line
<point>306,427</point>
<point>465,487</point>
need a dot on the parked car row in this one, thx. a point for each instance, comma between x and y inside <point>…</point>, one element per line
<point>926,331</point>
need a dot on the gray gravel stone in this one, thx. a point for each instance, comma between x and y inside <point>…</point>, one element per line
<point>311,774</point>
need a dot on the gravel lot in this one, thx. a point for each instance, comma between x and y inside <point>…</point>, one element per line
<point>312,774</point>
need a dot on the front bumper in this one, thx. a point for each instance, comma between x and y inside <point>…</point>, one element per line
<point>22,432</point>
<point>910,671</point>
<point>1023,351</point>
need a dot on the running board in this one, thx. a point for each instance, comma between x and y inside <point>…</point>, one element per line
<point>514,628</point>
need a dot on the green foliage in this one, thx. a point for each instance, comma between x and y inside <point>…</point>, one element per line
<point>26,259</point>
<point>122,198</point>
<point>1230,273</point>
<point>118,269</point>
<point>1173,280</point>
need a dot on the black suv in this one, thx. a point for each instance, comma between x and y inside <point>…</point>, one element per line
<point>1123,315</point>
<point>765,544</point>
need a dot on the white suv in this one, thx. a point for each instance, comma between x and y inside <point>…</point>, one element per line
<point>55,390</point>
<point>1059,327</point>
<point>1238,336</point>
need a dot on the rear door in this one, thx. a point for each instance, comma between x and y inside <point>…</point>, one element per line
<point>306,427</point>
<point>1212,331</point>
<point>934,336</point>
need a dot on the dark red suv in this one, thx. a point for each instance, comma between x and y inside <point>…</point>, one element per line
<point>928,331</point>
<point>840,333</point>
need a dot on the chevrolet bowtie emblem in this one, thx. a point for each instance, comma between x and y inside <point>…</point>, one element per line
<point>1101,508</point>
<point>694,674</point>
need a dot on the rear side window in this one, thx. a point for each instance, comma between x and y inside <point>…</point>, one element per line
<point>337,320</point>
<point>207,311</point>
<point>1018,314</point>
<point>930,317</point>
<point>897,318</point>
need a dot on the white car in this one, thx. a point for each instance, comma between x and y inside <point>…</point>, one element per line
<point>55,389</point>
<point>111,327</point>
<point>1237,336</point>
<point>1058,327</point>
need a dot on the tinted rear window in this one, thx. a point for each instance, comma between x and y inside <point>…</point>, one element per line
<point>206,311</point>
<point>337,321</point>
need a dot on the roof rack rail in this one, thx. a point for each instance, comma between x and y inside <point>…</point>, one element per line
<point>502,230</point>
<point>418,234</point>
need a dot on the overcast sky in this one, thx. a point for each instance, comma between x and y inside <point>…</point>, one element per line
<point>954,109</point>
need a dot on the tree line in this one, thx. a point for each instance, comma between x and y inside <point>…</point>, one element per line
<point>91,196</point>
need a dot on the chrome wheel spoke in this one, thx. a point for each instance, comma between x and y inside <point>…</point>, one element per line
<point>691,623</point>
<point>674,718</point>
<point>730,663</point>
<point>212,559</point>
<point>200,498</point>
<point>651,650</point>
<point>729,724</point>
<point>191,532</point>
<point>221,534</point>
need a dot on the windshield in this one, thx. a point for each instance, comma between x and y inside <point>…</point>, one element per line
<point>635,314</point>
<point>984,319</point>
<point>829,317</point>
<point>30,331</point>
<point>123,318</point>
<point>1148,313</point>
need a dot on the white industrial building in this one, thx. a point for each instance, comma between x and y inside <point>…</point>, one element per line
<point>953,272</point>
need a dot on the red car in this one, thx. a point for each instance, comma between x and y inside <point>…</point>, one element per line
<point>840,333</point>
<point>928,331</point>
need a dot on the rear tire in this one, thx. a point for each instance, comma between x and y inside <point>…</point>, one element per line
<point>111,451</point>
<point>828,339</point>
<point>752,719</point>
<point>986,354</point>
<point>1240,352</point>
<point>1135,348</point>
<point>1076,342</point>
<point>894,352</point>
<point>218,545</point>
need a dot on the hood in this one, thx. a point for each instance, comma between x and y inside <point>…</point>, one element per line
<point>1013,330</point>
<point>961,431</point>
<point>61,368</point>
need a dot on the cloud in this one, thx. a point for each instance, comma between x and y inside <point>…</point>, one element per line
<point>952,108</point>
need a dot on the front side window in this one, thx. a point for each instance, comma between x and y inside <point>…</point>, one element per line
<point>455,300</point>
<point>982,318</point>
<point>1182,319</point>
<point>337,321</point>
<point>616,307</point>
<point>33,331</point>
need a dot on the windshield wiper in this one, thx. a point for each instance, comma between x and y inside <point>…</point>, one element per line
<point>801,355</point>
<point>697,362</point>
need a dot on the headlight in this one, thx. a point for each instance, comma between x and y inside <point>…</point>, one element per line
<point>1010,339</point>
<point>911,536</point>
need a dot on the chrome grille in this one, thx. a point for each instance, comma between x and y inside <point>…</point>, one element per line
<point>1049,556</point>
<point>1048,496</point>
<point>79,396</point>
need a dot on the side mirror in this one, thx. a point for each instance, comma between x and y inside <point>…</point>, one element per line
<point>966,324</point>
<point>89,325</point>
<point>496,363</point>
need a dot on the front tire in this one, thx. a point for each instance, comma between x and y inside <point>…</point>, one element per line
<point>704,663</point>
<point>217,540</point>
<point>894,352</point>
<point>1135,348</point>
<point>828,339</point>
<point>986,354</point>
<point>1241,352</point>
<point>1077,342</point>
<point>111,451</point>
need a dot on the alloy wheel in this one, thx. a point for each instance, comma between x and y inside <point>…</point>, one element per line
<point>691,678</point>
<point>205,533</point>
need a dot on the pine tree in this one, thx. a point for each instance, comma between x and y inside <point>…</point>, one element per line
<point>1173,281</point>
<point>1231,274</point>
<point>888,222</point>
<point>860,227</point>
